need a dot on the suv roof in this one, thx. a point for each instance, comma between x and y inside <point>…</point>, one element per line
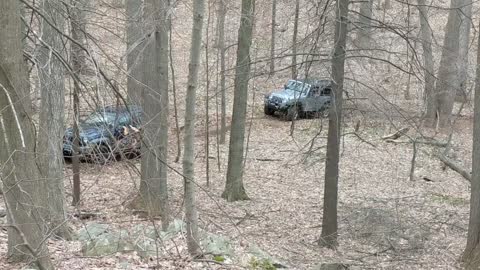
<point>120,108</point>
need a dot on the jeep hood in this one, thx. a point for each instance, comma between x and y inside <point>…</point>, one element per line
<point>89,132</point>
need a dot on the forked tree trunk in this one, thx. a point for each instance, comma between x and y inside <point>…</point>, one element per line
<point>447,78</point>
<point>329,234</point>
<point>19,172</point>
<point>153,186</point>
<point>51,127</point>
<point>295,39</point>
<point>272,37</point>
<point>134,35</point>
<point>222,11</point>
<point>471,255</point>
<point>188,139</point>
<point>234,189</point>
<point>429,72</point>
<point>466,22</point>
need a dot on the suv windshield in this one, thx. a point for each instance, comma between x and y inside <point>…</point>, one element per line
<point>297,86</point>
<point>100,118</point>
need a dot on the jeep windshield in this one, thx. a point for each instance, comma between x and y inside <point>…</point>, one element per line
<point>100,119</point>
<point>297,86</point>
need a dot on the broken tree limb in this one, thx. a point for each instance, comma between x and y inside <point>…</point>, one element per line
<point>397,134</point>
<point>456,167</point>
<point>433,143</point>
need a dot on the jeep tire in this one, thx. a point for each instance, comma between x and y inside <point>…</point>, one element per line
<point>292,113</point>
<point>268,111</point>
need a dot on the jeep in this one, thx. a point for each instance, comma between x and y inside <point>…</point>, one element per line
<point>300,98</point>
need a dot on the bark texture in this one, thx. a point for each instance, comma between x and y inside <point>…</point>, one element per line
<point>428,66</point>
<point>234,189</point>
<point>466,22</point>
<point>153,185</point>
<point>365,22</point>
<point>447,79</point>
<point>222,11</point>
<point>272,37</point>
<point>51,127</point>
<point>135,45</point>
<point>19,175</point>
<point>329,234</point>
<point>188,140</point>
<point>295,39</point>
<point>471,255</point>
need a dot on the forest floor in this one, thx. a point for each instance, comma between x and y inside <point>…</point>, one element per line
<point>386,219</point>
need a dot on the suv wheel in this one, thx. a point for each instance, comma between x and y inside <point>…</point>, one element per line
<point>103,153</point>
<point>268,111</point>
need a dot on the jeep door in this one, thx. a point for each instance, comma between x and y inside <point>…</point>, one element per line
<point>312,99</point>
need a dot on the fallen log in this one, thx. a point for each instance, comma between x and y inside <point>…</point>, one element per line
<point>455,167</point>
<point>397,134</point>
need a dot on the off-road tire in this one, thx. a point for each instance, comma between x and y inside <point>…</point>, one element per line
<point>268,111</point>
<point>102,154</point>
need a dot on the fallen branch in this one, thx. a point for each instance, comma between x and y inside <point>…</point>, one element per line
<point>456,167</point>
<point>433,143</point>
<point>397,134</point>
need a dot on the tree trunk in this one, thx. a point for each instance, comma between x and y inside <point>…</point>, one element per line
<point>471,255</point>
<point>466,22</point>
<point>365,21</point>
<point>426,39</point>
<point>51,127</point>
<point>78,62</point>
<point>134,47</point>
<point>188,139</point>
<point>294,41</point>
<point>222,11</point>
<point>447,80</point>
<point>329,234</point>
<point>272,37</point>
<point>78,19</point>
<point>19,175</point>
<point>153,185</point>
<point>234,189</point>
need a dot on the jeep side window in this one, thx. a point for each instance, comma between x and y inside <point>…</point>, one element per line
<point>326,92</point>
<point>315,91</point>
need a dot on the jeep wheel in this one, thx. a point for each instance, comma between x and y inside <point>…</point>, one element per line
<point>268,111</point>
<point>292,114</point>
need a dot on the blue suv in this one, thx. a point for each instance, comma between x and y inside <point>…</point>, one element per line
<point>106,133</point>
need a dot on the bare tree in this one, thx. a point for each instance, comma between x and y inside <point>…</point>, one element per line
<point>329,234</point>
<point>272,37</point>
<point>466,22</point>
<point>19,173</point>
<point>471,255</point>
<point>234,189</point>
<point>365,21</point>
<point>134,34</point>
<point>295,38</point>
<point>447,80</point>
<point>426,40</point>
<point>188,139</point>
<point>51,127</point>
<point>222,11</point>
<point>153,186</point>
